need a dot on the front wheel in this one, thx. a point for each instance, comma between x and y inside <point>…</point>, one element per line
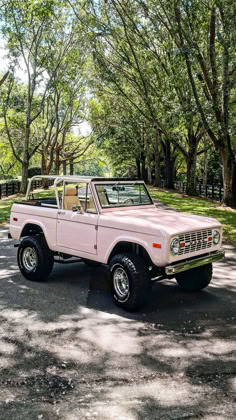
<point>34,258</point>
<point>196,279</point>
<point>131,283</point>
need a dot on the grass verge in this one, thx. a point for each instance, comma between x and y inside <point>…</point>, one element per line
<point>201,207</point>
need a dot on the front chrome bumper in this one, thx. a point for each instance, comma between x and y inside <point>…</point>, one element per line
<point>197,262</point>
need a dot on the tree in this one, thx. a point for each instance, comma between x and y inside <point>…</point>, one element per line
<point>3,78</point>
<point>204,36</point>
<point>42,35</point>
<point>12,105</point>
<point>120,133</point>
<point>130,59</point>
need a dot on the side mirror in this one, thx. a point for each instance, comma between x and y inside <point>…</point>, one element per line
<point>76,208</point>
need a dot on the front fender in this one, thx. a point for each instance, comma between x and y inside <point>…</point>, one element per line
<point>146,242</point>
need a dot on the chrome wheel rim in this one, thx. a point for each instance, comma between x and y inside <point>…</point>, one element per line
<point>29,258</point>
<point>121,282</point>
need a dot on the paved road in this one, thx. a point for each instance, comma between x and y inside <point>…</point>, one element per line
<point>66,352</point>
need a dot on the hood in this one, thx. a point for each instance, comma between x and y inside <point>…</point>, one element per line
<point>153,220</point>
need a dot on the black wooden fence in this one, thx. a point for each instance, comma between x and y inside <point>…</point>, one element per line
<point>214,192</point>
<point>13,187</point>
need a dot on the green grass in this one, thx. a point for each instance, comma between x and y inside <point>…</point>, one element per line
<point>5,205</point>
<point>176,200</point>
<point>200,207</point>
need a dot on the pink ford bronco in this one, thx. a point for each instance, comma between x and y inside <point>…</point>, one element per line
<point>113,221</point>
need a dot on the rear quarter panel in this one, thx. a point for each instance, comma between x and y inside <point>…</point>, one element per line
<point>44,217</point>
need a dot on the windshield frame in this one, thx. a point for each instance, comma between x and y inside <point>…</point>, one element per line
<point>113,183</point>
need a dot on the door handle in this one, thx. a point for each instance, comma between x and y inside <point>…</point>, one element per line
<point>61,212</point>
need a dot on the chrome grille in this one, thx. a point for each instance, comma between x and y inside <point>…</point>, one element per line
<point>195,241</point>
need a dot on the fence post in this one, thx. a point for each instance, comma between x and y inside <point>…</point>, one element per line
<point>213,192</point>
<point>6,189</point>
<point>0,191</point>
<point>220,194</point>
<point>206,190</point>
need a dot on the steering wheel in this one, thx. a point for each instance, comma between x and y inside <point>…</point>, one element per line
<point>128,199</point>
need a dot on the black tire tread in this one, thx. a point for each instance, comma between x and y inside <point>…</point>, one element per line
<point>45,258</point>
<point>196,279</point>
<point>139,277</point>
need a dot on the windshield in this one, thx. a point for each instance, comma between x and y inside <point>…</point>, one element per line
<point>122,195</point>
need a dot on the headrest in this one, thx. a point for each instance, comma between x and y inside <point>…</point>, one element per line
<point>70,191</point>
<point>100,188</point>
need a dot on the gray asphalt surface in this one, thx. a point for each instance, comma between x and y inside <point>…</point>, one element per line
<point>67,352</point>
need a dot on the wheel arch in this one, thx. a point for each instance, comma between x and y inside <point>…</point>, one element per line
<point>131,247</point>
<point>32,228</point>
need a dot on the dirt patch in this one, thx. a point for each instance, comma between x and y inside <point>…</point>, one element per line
<point>223,207</point>
<point>12,197</point>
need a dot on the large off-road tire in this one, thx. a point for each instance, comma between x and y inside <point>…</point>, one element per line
<point>195,279</point>
<point>130,281</point>
<point>34,258</point>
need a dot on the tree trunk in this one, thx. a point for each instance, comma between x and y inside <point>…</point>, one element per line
<point>169,164</point>
<point>229,174</point>
<point>24,179</point>
<point>71,167</point>
<point>138,168</point>
<point>157,181</point>
<point>44,170</point>
<point>64,168</point>
<point>205,163</point>
<point>191,174</point>
<point>43,163</point>
<point>25,164</point>
<point>149,163</point>
<point>57,163</point>
<point>143,166</point>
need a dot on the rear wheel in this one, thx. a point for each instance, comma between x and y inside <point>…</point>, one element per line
<point>196,279</point>
<point>131,283</point>
<point>34,258</point>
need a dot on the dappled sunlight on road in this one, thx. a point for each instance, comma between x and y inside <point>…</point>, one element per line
<point>99,348</point>
<point>8,272</point>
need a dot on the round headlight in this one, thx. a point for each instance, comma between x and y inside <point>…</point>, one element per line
<point>174,246</point>
<point>216,237</point>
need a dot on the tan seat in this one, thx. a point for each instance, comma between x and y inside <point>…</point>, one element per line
<point>71,199</point>
<point>102,196</point>
<point>91,206</point>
